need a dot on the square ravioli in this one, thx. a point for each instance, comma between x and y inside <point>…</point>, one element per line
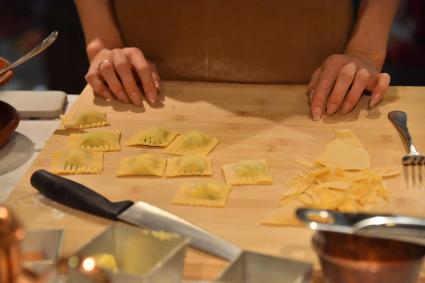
<point>84,119</point>
<point>152,136</point>
<point>77,161</point>
<point>189,165</point>
<point>192,143</point>
<point>142,165</point>
<point>247,172</point>
<point>98,141</point>
<point>211,194</point>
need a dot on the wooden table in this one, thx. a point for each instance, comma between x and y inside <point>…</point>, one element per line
<point>252,121</point>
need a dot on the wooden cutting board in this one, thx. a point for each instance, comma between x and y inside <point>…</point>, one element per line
<point>252,121</point>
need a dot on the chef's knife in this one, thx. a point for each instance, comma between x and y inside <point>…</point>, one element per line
<point>77,196</point>
<point>386,226</point>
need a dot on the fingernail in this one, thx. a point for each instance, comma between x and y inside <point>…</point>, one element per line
<point>108,95</point>
<point>316,114</point>
<point>346,107</point>
<point>152,100</point>
<point>375,98</point>
<point>157,84</point>
<point>123,97</point>
<point>138,101</point>
<point>331,108</point>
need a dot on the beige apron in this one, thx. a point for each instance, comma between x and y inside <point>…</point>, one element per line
<point>263,41</point>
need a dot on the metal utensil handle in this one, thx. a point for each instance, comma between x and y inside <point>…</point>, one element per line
<point>33,52</point>
<point>399,119</point>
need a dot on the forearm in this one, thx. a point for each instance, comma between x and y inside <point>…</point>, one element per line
<point>100,30</point>
<point>370,34</point>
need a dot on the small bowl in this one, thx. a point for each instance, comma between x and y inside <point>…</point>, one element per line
<point>349,258</point>
<point>9,120</point>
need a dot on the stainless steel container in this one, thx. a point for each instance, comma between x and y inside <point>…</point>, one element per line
<point>252,267</point>
<point>140,255</point>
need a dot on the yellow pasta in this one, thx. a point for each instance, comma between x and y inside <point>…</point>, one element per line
<point>247,172</point>
<point>84,119</point>
<point>211,194</point>
<point>192,143</point>
<point>77,161</point>
<point>153,136</point>
<point>98,141</point>
<point>188,165</point>
<point>142,165</point>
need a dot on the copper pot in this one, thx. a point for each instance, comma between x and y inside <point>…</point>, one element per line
<point>9,118</point>
<point>348,258</point>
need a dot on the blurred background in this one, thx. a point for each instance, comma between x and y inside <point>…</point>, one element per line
<point>23,23</point>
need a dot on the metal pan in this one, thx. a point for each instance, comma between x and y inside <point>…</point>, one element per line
<point>394,227</point>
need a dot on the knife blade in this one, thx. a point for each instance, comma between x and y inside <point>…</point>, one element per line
<point>80,197</point>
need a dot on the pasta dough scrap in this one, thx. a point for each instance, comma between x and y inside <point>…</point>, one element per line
<point>142,165</point>
<point>247,172</point>
<point>98,141</point>
<point>106,261</point>
<point>84,119</point>
<point>212,194</point>
<point>153,136</point>
<point>77,161</point>
<point>192,143</point>
<point>189,165</point>
<point>346,152</point>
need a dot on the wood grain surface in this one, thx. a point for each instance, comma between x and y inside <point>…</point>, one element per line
<point>253,122</point>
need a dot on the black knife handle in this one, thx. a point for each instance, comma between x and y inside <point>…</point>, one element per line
<point>75,195</point>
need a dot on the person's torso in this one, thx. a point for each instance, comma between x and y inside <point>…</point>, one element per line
<point>264,41</point>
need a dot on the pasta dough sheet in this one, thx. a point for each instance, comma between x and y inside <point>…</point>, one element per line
<point>345,151</point>
<point>210,193</point>
<point>84,119</point>
<point>189,165</point>
<point>142,165</point>
<point>153,136</point>
<point>98,141</point>
<point>247,172</point>
<point>192,143</point>
<point>77,161</point>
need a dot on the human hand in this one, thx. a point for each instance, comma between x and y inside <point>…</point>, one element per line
<point>115,73</point>
<point>340,81</point>
<point>6,76</point>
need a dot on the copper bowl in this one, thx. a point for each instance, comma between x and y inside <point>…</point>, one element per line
<point>9,120</point>
<point>351,259</point>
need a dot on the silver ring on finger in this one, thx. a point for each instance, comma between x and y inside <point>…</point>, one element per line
<point>104,61</point>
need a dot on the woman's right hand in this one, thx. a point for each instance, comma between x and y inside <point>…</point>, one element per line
<point>8,75</point>
<point>115,74</point>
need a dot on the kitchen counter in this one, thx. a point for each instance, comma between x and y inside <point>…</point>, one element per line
<point>253,122</point>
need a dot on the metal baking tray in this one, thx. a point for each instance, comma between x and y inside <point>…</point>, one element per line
<point>141,255</point>
<point>252,267</point>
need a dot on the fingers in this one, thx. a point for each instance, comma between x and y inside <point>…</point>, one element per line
<point>107,72</point>
<point>99,87</point>
<point>124,70</point>
<point>324,87</point>
<point>343,82</point>
<point>144,72</point>
<point>353,96</point>
<point>380,89</point>
<point>312,84</point>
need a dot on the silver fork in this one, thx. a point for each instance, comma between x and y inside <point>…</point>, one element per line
<point>399,119</point>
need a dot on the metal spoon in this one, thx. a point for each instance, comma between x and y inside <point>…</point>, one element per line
<point>33,52</point>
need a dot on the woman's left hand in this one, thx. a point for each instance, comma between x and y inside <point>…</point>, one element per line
<point>340,81</point>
